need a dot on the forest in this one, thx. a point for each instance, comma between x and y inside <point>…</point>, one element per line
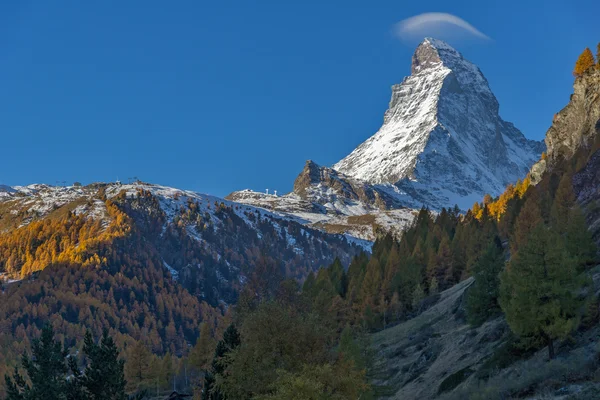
<point>97,308</point>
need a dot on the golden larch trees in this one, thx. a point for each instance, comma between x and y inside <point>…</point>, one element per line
<point>584,62</point>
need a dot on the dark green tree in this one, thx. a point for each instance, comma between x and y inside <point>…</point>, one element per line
<point>482,296</point>
<point>538,289</point>
<point>47,370</point>
<point>231,340</point>
<point>103,377</point>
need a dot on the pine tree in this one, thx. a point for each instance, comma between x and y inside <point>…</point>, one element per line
<point>538,289</point>
<point>598,56</point>
<point>409,275</point>
<point>584,62</point>
<point>103,377</point>
<point>482,296</point>
<point>231,340</point>
<point>46,368</point>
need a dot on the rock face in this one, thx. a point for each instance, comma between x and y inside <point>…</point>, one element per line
<point>442,141</point>
<point>324,185</point>
<point>579,121</point>
<point>327,199</point>
<point>574,126</point>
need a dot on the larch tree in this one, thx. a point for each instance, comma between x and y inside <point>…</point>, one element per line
<point>584,62</point>
<point>138,367</point>
<point>538,289</point>
<point>202,352</point>
<point>529,217</point>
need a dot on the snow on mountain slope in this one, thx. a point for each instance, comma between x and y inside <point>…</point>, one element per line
<point>331,201</point>
<point>442,141</point>
<point>211,245</point>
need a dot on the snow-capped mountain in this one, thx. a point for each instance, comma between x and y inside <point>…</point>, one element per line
<point>442,141</point>
<point>210,245</point>
<point>442,144</point>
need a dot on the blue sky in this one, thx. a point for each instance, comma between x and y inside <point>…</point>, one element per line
<point>224,95</point>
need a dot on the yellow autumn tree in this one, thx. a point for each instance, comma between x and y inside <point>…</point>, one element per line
<point>584,62</point>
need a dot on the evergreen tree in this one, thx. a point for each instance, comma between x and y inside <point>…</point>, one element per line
<point>538,289</point>
<point>584,62</point>
<point>46,368</point>
<point>103,378</point>
<point>482,296</point>
<point>231,340</point>
<point>409,275</point>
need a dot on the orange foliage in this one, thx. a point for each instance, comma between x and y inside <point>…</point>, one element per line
<point>72,239</point>
<point>584,62</point>
<point>497,208</point>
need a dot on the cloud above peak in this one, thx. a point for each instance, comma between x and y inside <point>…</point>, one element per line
<point>435,24</point>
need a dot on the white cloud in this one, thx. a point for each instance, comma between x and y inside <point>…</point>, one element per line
<point>434,24</point>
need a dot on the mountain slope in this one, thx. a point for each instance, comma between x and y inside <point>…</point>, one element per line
<point>209,244</point>
<point>329,200</point>
<point>442,141</point>
<point>442,144</point>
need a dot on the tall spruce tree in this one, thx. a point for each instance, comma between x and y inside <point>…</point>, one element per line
<point>231,340</point>
<point>538,289</point>
<point>46,368</point>
<point>103,377</point>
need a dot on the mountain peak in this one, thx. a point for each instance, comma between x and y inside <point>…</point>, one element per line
<point>430,54</point>
<point>442,140</point>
